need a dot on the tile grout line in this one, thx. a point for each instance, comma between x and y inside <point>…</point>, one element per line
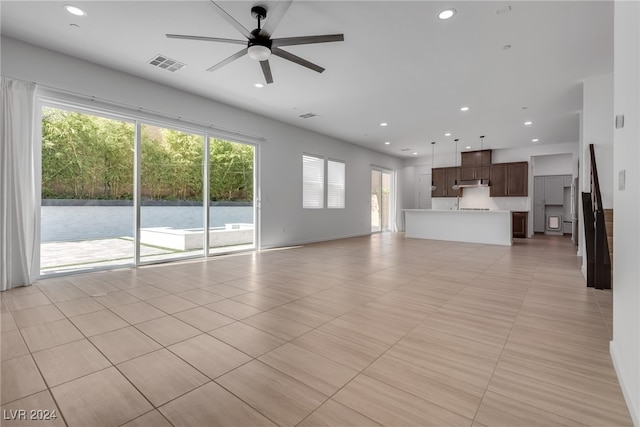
<point>495,367</point>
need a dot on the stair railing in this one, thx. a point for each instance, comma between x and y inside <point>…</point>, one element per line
<point>597,249</point>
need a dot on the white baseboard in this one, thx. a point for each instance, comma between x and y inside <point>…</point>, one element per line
<point>629,399</point>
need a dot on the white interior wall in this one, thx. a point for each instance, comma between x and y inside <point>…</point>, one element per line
<point>553,164</point>
<point>283,221</point>
<point>625,347</point>
<point>598,130</point>
<point>524,153</point>
<point>409,177</point>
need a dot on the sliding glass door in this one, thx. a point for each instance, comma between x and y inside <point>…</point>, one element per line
<point>86,191</point>
<point>171,194</point>
<point>90,199</point>
<point>231,195</point>
<point>381,198</point>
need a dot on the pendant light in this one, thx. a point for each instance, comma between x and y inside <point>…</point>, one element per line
<point>433,146</point>
<point>455,185</point>
<point>481,142</point>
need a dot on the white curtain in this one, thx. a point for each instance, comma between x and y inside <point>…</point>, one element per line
<point>18,198</point>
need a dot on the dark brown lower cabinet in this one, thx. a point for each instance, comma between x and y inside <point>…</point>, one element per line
<point>519,224</point>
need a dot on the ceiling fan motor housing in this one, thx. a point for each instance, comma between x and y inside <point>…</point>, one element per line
<point>258,12</point>
<point>259,40</point>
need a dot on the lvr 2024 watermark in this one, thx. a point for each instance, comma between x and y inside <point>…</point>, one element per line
<point>29,414</point>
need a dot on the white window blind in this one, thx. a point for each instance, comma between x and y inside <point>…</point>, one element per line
<point>312,182</point>
<point>335,184</point>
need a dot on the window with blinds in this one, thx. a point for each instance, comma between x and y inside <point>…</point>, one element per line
<point>312,182</point>
<point>335,184</point>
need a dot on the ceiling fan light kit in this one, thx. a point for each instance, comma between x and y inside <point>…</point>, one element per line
<point>258,52</point>
<point>260,45</point>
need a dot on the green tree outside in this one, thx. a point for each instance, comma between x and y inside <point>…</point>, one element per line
<point>89,157</point>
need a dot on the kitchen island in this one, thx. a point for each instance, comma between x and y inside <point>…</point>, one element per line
<point>471,226</point>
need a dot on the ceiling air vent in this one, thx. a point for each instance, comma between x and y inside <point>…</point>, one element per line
<point>405,149</point>
<point>308,115</point>
<point>167,63</point>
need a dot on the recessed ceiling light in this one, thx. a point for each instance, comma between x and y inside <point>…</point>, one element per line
<point>258,85</point>
<point>528,123</point>
<point>447,134</point>
<point>75,10</point>
<point>446,14</point>
<point>387,143</point>
<point>535,140</point>
<point>415,154</point>
<point>468,148</point>
<point>384,124</point>
<point>464,109</point>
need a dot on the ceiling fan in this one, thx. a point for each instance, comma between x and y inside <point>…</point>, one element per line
<point>260,45</point>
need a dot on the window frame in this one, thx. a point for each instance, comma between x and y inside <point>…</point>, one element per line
<point>325,183</point>
<point>310,201</point>
<point>343,190</point>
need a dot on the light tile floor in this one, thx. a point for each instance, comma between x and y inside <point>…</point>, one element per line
<point>369,331</point>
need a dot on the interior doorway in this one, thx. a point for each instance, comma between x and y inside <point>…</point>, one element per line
<point>381,200</point>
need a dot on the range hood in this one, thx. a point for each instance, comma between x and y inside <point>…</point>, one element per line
<point>473,183</point>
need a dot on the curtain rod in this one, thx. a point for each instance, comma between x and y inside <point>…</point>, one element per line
<point>132,110</point>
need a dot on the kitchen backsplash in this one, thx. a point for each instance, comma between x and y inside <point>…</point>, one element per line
<point>478,197</point>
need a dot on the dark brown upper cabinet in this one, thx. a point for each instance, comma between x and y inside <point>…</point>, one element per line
<point>453,176</point>
<point>475,165</point>
<point>439,178</point>
<point>444,179</point>
<point>509,179</point>
<point>476,158</point>
<point>468,173</point>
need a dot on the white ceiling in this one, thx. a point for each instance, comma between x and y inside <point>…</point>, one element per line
<point>398,64</point>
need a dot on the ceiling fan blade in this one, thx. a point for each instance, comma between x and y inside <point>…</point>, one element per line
<point>266,70</point>
<point>274,17</point>
<point>231,20</point>
<point>293,58</point>
<point>290,41</point>
<point>233,57</point>
<point>206,39</point>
